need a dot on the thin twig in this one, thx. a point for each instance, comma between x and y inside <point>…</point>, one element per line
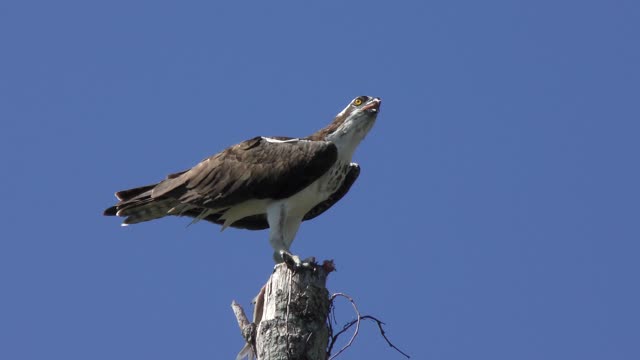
<point>355,333</point>
<point>355,322</point>
<point>382,332</point>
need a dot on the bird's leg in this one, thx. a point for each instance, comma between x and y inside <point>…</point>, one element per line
<point>291,226</point>
<point>283,230</point>
<point>276,216</point>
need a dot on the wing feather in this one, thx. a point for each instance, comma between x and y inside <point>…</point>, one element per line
<point>253,169</point>
<point>259,222</point>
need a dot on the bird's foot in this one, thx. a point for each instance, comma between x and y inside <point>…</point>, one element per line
<point>294,263</point>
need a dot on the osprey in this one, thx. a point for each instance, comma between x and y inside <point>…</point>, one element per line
<point>264,182</point>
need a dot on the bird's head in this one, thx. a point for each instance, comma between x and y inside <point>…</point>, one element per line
<point>361,106</point>
<point>353,123</point>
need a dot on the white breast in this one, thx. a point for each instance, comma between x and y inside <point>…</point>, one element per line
<point>303,201</point>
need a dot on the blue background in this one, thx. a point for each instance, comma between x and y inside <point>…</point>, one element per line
<point>496,216</point>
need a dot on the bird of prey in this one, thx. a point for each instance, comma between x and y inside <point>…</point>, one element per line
<point>264,182</point>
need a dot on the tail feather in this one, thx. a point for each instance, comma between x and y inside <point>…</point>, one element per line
<point>153,209</point>
<point>129,194</point>
<point>136,205</point>
<point>112,211</point>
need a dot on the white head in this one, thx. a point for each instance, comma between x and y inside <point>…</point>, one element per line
<point>352,124</point>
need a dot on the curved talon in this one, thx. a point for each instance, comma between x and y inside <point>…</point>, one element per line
<point>294,263</point>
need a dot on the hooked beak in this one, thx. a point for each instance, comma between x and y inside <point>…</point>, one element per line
<point>373,106</point>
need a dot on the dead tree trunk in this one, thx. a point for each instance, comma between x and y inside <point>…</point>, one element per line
<point>290,315</point>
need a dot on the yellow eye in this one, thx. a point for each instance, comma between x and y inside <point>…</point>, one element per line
<point>357,102</point>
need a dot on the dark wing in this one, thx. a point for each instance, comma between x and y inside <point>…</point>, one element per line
<point>254,169</point>
<point>259,222</point>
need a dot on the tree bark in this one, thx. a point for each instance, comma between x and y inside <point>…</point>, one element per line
<point>290,316</point>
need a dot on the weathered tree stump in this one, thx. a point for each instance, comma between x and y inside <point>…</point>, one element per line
<point>290,315</point>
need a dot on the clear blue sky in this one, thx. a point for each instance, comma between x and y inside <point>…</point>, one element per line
<point>496,216</point>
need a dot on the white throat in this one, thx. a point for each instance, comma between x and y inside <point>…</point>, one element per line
<point>348,136</point>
